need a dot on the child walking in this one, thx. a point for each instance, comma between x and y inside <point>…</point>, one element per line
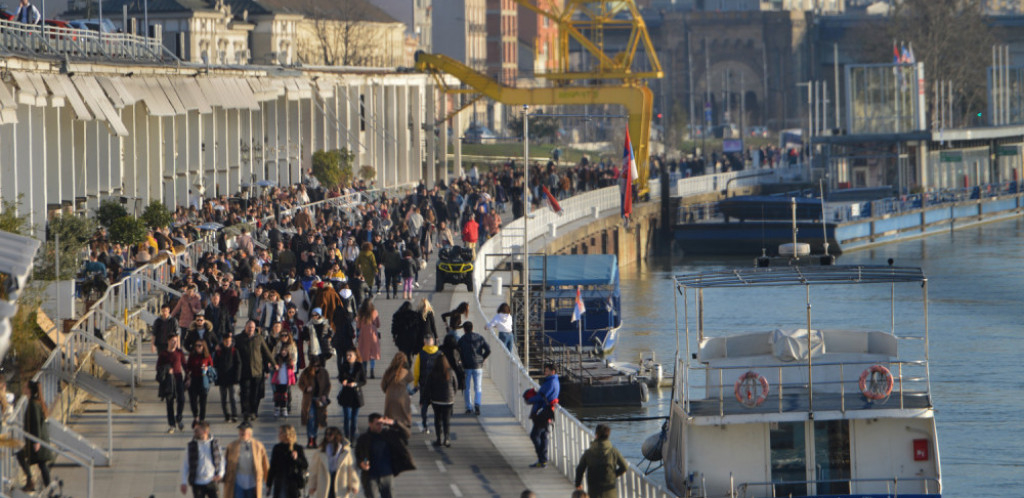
<point>408,274</point>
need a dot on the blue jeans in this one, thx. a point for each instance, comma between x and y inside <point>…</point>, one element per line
<point>244,493</point>
<point>506,339</point>
<point>348,427</point>
<point>311,423</point>
<point>539,437</point>
<point>474,376</point>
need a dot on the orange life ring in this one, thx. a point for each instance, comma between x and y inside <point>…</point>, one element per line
<point>874,388</point>
<point>746,386</point>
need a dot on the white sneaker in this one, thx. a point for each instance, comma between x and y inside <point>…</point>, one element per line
<point>277,412</point>
<point>416,285</point>
<point>284,412</point>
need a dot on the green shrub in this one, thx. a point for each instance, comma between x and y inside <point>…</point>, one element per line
<point>333,168</point>
<point>109,211</point>
<point>127,230</point>
<point>156,215</point>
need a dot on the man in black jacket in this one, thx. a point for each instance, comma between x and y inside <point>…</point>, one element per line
<point>403,330</point>
<point>228,362</point>
<point>473,350</point>
<point>255,355</point>
<point>383,453</point>
<point>164,327</point>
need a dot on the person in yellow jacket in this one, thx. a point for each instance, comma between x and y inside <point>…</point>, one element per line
<point>333,468</point>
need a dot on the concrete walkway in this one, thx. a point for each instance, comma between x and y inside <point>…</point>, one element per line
<point>489,456</point>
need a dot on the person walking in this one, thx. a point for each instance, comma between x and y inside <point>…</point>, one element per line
<point>395,384</point>
<point>256,356</point>
<point>188,306</point>
<point>197,380</point>
<point>440,388</point>
<point>408,272</point>
<point>287,465</point>
<point>332,473</point>
<point>27,13</point>
<point>201,330</point>
<point>164,327</point>
<point>602,464</point>
<point>383,454</point>
<point>286,355</point>
<point>246,465</point>
<point>352,377</point>
<point>367,263</point>
<point>170,372</point>
<point>543,412</point>
<point>203,465</point>
<point>315,384</point>
<point>502,324</point>
<point>473,350</point>
<point>453,319</point>
<point>228,363</point>
<point>422,366</point>
<point>450,349</point>
<point>425,325</point>
<point>368,338</point>
<point>34,424</point>
<point>404,329</point>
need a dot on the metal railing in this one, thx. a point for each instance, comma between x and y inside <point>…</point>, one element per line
<point>892,486</point>
<point>9,462</point>
<point>569,437</point>
<point>852,211</point>
<point>717,182</point>
<point>38,40</point>
<point>788,388</point>
<point>101,327</point>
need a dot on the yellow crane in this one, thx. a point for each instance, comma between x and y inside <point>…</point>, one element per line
<point>613,80</point>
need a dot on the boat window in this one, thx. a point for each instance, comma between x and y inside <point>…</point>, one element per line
<point>832,456</point>
<point>789,458</point>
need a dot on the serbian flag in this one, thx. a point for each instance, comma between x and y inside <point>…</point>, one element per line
<point>555,206</point>
<point>579,309</point>
<point>627,176</point>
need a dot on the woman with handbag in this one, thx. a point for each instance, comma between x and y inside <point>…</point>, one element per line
<point>285,356</point>
<point>332,473</point>
<point>197,380</point>
<point>287,475</point>
<point>315,384</point>
<point>34,424</point>
<point>352,377</point>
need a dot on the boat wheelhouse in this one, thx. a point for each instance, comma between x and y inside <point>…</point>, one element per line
<point>801,408</point>
<point>597,276</point>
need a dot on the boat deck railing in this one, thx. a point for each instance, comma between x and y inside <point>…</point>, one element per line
<point>875,487</point>
<point>790,391</point>
<point>853,211</point>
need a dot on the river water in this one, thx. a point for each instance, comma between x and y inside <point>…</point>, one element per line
<point>976,312</point>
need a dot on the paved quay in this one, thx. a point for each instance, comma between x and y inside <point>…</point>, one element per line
<point>489,457</point>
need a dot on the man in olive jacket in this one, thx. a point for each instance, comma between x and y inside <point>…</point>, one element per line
<point>255,355</point>
<point>602,464</point>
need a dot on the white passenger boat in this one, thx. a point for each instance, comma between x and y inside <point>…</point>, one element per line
<point>839,411</point>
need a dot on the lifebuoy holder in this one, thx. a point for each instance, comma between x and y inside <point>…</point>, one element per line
<point>746,389</point>
<point>876,382</point>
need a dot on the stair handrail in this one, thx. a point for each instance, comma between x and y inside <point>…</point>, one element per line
<point>8,458</point>
<point>78,336</point>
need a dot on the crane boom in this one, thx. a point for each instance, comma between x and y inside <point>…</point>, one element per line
<point>637,99</point>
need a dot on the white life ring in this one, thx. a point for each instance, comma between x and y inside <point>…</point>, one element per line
<point>873,387</point>
<point>746,387</point>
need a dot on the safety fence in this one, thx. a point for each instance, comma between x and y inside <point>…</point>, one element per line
<point>101,330</point>
<point>717,182</point>
<point>63,41</point>
<point>569,437</point>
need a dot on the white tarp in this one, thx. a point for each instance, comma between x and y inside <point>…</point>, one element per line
<point>791,345</point>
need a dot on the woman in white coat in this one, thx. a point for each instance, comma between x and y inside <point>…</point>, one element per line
<point>333,471</point>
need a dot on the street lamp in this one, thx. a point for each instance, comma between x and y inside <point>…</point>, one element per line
<point>526,237</point>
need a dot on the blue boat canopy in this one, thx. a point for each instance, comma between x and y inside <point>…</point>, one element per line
<point>575,269</point>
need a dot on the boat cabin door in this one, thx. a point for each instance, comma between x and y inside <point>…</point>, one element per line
<point>810,458</point>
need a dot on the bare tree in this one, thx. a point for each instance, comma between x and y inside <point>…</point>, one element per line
<point>343,34</point>
<point>953,39</point>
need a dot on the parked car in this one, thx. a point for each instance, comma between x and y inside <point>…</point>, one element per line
<point>758,131</point>
<point>61,25</point>
<point>478,134</point>
<point>95,25</point>
<point>726,131</point>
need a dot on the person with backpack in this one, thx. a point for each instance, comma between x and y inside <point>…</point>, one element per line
<point>470,234</point>
<point>422,366</point>
<point>203,465</point>
<point>542,413</point>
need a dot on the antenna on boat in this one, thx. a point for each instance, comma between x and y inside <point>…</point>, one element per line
<point>824,229</point>
<point>792,202</point>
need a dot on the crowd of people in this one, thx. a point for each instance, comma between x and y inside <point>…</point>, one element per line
<point>297,289</point>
